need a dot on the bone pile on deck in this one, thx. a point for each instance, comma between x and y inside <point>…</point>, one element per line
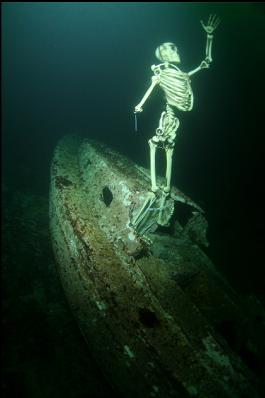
<point>157,315</point>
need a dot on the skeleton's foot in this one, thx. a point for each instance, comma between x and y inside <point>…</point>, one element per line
<point>166,208</point>
<point>150,210</point>
<point>141,220</point>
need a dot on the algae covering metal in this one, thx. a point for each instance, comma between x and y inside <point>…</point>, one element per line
<point>153,308</point>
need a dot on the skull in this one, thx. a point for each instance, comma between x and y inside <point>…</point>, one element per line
<point>167,52</point>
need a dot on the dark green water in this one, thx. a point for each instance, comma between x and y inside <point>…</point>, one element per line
<point>81,68</point>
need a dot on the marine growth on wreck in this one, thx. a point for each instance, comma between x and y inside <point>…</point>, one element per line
<point>156,313</point>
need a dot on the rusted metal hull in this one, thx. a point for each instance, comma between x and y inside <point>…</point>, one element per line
<point>151,314</point>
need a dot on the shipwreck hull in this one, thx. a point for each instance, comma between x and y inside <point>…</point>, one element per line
<point>152,313</point>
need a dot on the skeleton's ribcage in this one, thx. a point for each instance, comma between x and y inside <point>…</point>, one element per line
<point>177,89</point>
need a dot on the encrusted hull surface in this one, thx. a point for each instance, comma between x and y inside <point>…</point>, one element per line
<point>152,315</point>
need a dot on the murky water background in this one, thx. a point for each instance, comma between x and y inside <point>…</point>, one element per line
<point>81,68</point>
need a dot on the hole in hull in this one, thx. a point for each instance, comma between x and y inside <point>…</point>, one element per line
<point>107,196</point>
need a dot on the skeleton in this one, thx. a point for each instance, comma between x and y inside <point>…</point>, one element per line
<point>176,86</point>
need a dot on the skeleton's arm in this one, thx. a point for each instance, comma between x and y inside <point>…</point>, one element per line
<point>155,81</point>
<point>208,57</point>
<point>213,22</point>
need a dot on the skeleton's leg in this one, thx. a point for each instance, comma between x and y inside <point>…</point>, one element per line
<point>153,142</point>
<point>161,207</point>
<point>144,209</point>
<point>161,216</point>
<point>169,154</point>
<point>171,126</point>
<point>153,147</point>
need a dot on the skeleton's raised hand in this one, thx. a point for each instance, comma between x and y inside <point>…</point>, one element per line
<point>138,109</point>
<point>212,24</point>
